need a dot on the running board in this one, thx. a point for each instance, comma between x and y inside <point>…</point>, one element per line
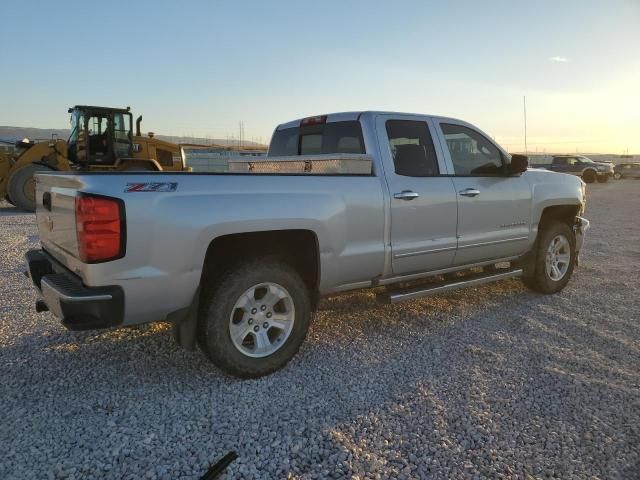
<point>422,291</point>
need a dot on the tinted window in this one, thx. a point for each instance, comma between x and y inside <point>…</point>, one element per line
<point>471,153</point>
<point>560,161</point>
<point>165,157</point>
<point>412,148</point>
<point>333,137</point>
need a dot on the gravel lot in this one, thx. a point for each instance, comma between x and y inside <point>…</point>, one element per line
<point>491,382</point>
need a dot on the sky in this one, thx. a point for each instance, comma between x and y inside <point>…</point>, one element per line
<point>199,68</point>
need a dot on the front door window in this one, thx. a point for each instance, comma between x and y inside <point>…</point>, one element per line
<point>471,153</point>
<point>98,135</point>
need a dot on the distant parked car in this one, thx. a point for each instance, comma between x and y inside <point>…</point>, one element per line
<point>627,170</point>
<point>582,166</point>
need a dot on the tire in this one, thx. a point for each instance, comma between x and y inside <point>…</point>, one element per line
<point>264,352</point>
<point>21,187</point>
<point>138,167</point>
<point>8,200</point>
<point>541,279</point>
<point>603,179</point>
<point>617,175</point>
<point>589,176</point>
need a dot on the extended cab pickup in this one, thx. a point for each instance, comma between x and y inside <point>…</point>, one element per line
<point>237,260</point>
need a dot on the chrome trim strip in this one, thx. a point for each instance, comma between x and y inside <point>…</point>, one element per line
<point>446,249</point>
<point>482,244</point>
<point>423,252</point>
<point>425,292</point>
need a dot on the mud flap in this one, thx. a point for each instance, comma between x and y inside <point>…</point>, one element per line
<point>185,323</point>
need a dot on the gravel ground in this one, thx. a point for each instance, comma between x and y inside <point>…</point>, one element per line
<point>491,382</point>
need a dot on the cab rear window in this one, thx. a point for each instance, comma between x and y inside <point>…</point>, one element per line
<point>334,137</point>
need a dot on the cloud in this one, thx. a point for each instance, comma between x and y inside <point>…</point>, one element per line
<point>559,59</point>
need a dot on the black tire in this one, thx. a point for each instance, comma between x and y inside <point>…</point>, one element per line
<point>539,279</point>
<point>603,179</point>
<point>617,175</point>
<point>138,167</point>
<point>589,176</point>
<point>8,199</point>
<point>21,187</point>
<point>217,304</point>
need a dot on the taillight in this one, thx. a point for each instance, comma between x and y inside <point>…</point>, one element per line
<point>100,228</point>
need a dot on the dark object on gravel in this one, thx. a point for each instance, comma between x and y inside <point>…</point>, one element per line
<point>216,470</point>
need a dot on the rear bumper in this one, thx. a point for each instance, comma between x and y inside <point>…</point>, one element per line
<point>78,307</point>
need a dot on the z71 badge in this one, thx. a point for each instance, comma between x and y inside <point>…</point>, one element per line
<point>151,187</point>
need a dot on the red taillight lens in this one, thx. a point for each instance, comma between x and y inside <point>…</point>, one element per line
<point>100,228</point>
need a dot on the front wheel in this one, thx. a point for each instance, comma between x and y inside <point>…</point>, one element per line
<point>589,176</point>
<point>21,188</point>
<point>555,256</point>
<point>254,319</point>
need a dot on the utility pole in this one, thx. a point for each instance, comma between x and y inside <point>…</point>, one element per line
<point>241,138</point>
<point>524,103</point>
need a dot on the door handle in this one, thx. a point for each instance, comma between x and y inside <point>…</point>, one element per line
<point>406,195</point>
<point>469,192</point>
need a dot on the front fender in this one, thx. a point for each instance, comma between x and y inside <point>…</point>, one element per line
<point>551,189</point>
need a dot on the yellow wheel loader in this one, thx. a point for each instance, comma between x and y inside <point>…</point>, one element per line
<point>101,139</point>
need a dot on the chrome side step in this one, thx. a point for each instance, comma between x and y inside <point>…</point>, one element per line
<point>422,291</point>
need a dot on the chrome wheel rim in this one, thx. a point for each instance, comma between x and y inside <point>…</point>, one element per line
<point>262,320</point>
<point>558,257</point>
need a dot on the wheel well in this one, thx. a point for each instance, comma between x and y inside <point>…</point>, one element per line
<point>563,213</point>
<point>299,248</point>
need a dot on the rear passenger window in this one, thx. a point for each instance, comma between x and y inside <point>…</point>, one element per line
<point>327,138</point>
<point>412,148</point>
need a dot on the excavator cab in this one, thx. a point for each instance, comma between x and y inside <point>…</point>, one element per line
<point>99,135</point>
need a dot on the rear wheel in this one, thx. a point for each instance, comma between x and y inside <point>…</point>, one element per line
<point>139,167</point>
<point>603,179</point>
<point>555,255</point>
<point>254,319</point>
<point>22,187</point>
<point>617,175</point>
<point>589,176</point>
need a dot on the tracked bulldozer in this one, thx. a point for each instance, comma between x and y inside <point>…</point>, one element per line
<point>101,139</point>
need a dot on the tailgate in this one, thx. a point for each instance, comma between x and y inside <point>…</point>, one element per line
<point>55,214</point>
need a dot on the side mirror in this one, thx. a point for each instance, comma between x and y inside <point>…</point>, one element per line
<point>519,164</point>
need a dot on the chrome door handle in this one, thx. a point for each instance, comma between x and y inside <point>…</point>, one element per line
<point>406,195</point>
<point>469,192</point>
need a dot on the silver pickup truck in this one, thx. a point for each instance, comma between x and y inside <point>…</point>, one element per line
<point>411,205</point>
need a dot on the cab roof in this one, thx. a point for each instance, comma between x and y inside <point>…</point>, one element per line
<point>101,109</point>
<point>351,116</point>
